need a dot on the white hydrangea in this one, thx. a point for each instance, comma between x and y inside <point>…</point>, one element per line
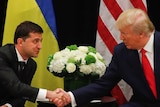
<point>100,67</point>
<point>67,59</point>
<point>87,69</point>
<point>57,65</point>
<point>62,54</point>
<point>99,56</point>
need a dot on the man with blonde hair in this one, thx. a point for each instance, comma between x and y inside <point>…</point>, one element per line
<point>138,34</point>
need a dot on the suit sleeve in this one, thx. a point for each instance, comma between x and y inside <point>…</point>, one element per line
<point>100,87</point>
<point>10,82</point>
<point>17,102</point>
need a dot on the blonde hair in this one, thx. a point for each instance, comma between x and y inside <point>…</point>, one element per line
<point>137,19</point>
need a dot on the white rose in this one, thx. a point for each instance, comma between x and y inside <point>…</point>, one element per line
<point>70,67</point>
<point>83,49</point>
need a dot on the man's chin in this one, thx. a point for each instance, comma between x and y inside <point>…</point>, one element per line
<point>35,56</point>
<point>128,47</point>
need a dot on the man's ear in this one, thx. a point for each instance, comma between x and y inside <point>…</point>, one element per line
<point>19,41</point>
<point>141,35</point>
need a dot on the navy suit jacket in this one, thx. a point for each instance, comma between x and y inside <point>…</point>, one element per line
<point>14,86</point>
<point>126,65</point>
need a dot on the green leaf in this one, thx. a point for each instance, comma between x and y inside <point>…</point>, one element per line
<point>71,60</point>
<point>72,47</point>
<point>91,49</point>
<point>90,59</point>
<point>50,58</point>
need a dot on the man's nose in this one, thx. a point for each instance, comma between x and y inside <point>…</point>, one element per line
<point>39,45</point>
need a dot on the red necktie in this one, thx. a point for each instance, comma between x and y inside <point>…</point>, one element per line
<point>149,74</point>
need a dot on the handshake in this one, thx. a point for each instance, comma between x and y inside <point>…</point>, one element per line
<point>59,97</point>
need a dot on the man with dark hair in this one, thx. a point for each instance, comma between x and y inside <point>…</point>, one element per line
<point>15,78</point>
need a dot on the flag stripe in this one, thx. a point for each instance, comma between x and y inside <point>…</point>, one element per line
<point>108,40</point>
<point>138,4</point>
<point>108,36</point>
<point>49,16</point>
<point>37,12</point>
<point>116,11</point>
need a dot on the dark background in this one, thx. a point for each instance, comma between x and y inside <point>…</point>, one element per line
<point>77,20</point>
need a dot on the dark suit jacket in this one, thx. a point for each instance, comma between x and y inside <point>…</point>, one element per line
<point>14,86</point>
<point>126,65</point>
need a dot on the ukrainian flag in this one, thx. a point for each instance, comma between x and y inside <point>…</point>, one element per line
<point>42,13</point>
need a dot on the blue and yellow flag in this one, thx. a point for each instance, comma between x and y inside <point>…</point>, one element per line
<point>42,13</point>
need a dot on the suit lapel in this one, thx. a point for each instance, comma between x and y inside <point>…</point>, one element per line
<point>157,60</point>
<point>136,68</point>
<point>13,58</point>
<point>157,53</point>
<point>134,60</point>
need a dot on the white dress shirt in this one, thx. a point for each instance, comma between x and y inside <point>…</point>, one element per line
<point>149,51</point>
<point>42,92</point>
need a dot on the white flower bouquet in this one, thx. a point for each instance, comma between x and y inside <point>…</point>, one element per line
<point>76,61</point>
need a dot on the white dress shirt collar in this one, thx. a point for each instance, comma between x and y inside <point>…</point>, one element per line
<point>20,57</point>
<point>149,46</point>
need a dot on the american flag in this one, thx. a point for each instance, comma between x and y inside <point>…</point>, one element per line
<point>107,37</point>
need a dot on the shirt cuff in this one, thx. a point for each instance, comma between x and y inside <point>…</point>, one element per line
<point>42,95</point>
<point>8,105</point>
<point>73,101</point>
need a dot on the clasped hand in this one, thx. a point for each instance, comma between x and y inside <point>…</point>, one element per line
<point>60,98</point>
